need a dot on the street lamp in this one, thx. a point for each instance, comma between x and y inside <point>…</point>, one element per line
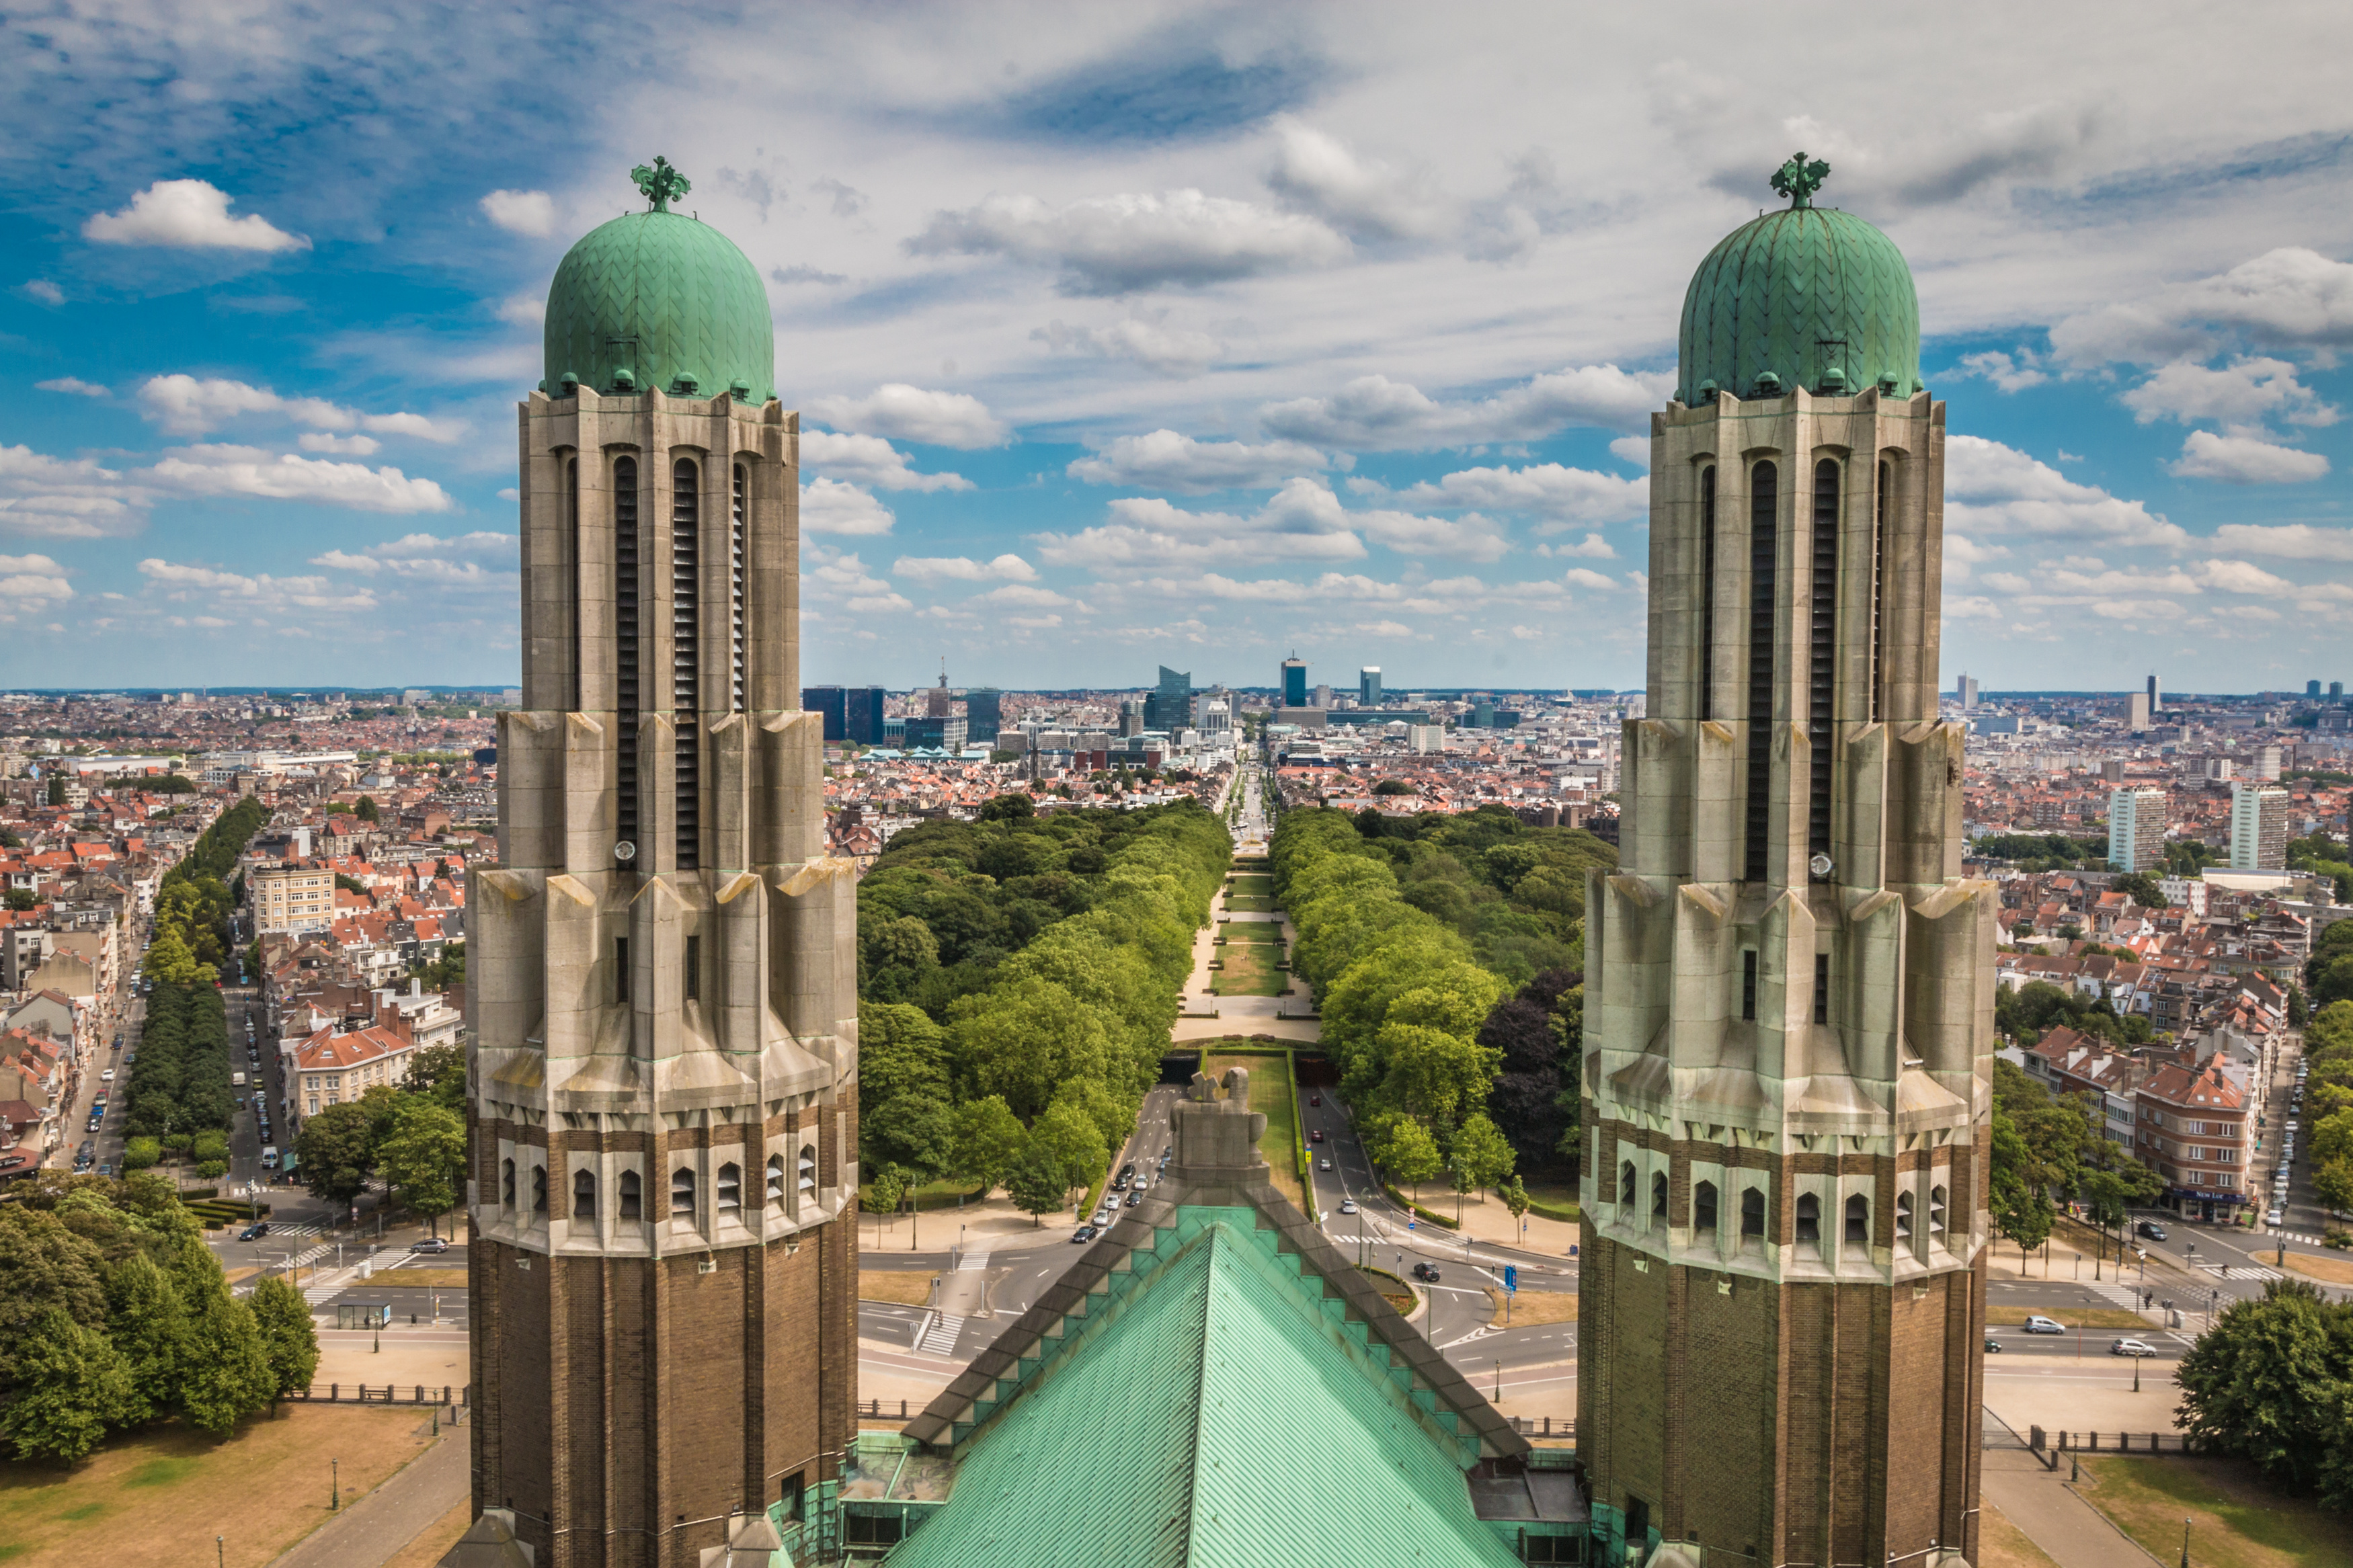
<point>335,1484</point>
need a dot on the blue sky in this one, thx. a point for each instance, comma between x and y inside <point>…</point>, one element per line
<point>1161,333</point>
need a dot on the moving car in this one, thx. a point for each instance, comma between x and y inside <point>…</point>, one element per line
<point>1084,1233</point>
<point>2132,1347</point>
<point>1993,1347</point>
<point>1134,1196</point>
<point>430,1244</point>
<point>2038,1324</point>
<point>106,1077</point>
<point>2152,1229</point>
<point>1347,1205</point>
<point>1314,1099</point>
<point>1316,1136</point>
<point>255,1231</point>
<point>1426,1272</point>
<point>1322,1161</point>
<point>1102,1215</point>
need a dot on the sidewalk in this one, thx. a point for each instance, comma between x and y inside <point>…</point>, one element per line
<point>372,1531</point>
<point>2042,1503</point>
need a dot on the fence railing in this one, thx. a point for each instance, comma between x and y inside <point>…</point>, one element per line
<point>384,1394</point>
<point>2056,1443</point>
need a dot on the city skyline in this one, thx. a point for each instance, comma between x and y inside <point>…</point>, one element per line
<point>1076,318</point>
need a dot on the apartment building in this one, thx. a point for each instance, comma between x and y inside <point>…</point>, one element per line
<point>2136,823</point>
<point>290,898</point>
<point>2195,1132</point>
<point>2258,827</point>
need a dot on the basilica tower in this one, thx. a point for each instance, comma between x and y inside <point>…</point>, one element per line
<point>1787,1066</point>
<point>663,1062</point>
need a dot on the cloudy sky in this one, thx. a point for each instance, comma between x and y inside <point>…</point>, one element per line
<point>1161,333</point>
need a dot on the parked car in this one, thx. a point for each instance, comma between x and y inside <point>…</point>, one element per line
<point>1347,1205</point>
<point>2132,1347</point>
<point>254,1232</point>
<point>2274,1217</point>
<point>1102,1215</point>
<point>1426,1272</point>
<point>2152,1229</point>
<point>2038,1324</point>
<point>1084,1233</point>
<point>430,1244</point>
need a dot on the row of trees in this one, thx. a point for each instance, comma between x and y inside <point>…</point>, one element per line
<point>412,1137</point>
<point>113,1313</point>
<point>193,937</point>
<point>2328,1100</point>
<point>1045,1049</point>
<point>2326,857</point>
<point>2029,1012</point>
<point>2328,972</point>
<point>1424,1033</point>
<point>178,1089</point>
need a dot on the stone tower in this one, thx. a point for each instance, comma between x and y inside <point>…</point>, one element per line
<point>1789,1015</point>
<point>662,1072</point>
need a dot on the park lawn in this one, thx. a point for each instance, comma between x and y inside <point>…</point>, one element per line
<point>1256,932</point>
<point>1253,884</point>
<point>2236,1519</point>
<point>907,1287</point>
<point>1271,1093</point>
<point>2087,1317</point>
<point>154,1495</point>
<point>2336,1270</point>
<point>1562,1197</point>
<point>1529,1307</point>
<point>2003,1545</point>
<point>1249,971</point>
<point>442,1279</point>
<point>1241,904</point>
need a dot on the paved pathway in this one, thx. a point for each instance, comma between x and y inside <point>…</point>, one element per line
<point>372,1530</point>
<point>2052,1514</point>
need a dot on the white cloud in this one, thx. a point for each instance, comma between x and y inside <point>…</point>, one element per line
<point>1303,522</point>
<point>1592,547</point>
<point>1372,412</point>
<point>2291,294</point>
<point>2241,396</point>
<point>219,470</point>
<point>1470,537</point>
<point>2009,374</point>
<point>1006,568</point>
<point>1167,460</point>
<point>1023,595</point>
<point>531,213</point>
<point>1634,450</point>
<point>523,309</point>
<point>68,498</point>
<point>351,446</point>
<point>1586,577</point>
<point>1998,490</point>
<point>829,506</point>
<point>480,559</point>
<point>1963,553</point>
<point>188,215</point>
<point>2240,577</point>
<point>183,581</point>
<point>46,292</point>
<point>31,585</point>
<point>2289,540</point>
<point>879,603</point>
<point>2244,460</point>
<point>184,405</point>
<point>72,386</point>
<point>1563,495</point>
<point>832,573</point>
<point>913,413</point>
<point>1317,173</point>
<point>871,460</point>
<point>1165,351</point>
<point>1971,609</point>
<point>1114,245</point>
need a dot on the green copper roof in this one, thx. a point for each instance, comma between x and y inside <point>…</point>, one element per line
<point>660,296</point>
<point>1213,1407</point>
<point>1800,294</point>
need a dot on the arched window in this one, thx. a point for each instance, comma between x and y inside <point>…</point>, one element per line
<point>506,1182</point>
<point>1703,1206</point>
<point>1858,1221</point>
<point>1658,1197</point>
<point>1821,658</point>
<point>633,1203</point>
<point>584,1195</point>
<point>1903,1216</point>
<point>1626,1184</point>
<point>730,1189</point>
<point>1810,1217</point>
<point>1707,592</point>
<point>681,1194</point>
<point>1936,1213</point>
<point>808,1168</point>
<point>1752,1213</point>
<point>776,1178</point>
<point>539,1189</point>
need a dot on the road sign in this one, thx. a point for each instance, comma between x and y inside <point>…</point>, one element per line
<point>1511,1276</point>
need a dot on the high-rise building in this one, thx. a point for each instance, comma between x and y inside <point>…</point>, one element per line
<point>1788,1056</point>
<point>1968,693</point>
<point>945,732</point>
<point>661,1113</point>
<point>1295,682</point>
<point>1322,695</point>
<point>984,713</point>
<point>2156,697</point>
<point>829,703</point>
<point>2137,819</point>
<point>1169,705</point>
<point>2258,828</point>
<point>2137,711</point>
<point>2267,763</point>
<point>2312,688</point>
<point>1368,686</point>
<point>2336,688</point>
<point>1131,716</point>
<point>862,710</point>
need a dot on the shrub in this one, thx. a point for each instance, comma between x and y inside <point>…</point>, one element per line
<point>137,1153</point>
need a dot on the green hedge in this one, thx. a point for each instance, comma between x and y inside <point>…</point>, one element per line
<point>1403,1202</point>
<point>1566,1213</point>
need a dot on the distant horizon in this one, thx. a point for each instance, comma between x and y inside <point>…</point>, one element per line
<point>1392,693</point>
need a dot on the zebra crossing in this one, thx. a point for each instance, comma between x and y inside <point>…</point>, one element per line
<point>939,1338</point>
<point>2241,1270</point>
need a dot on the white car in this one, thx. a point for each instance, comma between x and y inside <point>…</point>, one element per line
<point>2132,1348</point>
<point>2274,1217</point>
<point>106,1077</point>
<point>1103,1216</point>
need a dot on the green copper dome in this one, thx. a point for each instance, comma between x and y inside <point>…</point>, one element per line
<point>657,298</point>
<point>1809,296</point>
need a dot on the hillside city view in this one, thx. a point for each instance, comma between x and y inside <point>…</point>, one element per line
<point>1203,789</point>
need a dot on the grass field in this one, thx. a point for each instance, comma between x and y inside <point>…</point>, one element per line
<point>445,1279</point>
<point>2004,1545</point>
<point>160,1495</point>
<point>907,1287</point>
<point>2336,1270</point>
<point>1255,886</point>
<point>2235,1519</point>
<point>1260,931</point>
<point>436,1538</point>
<point>2089,1317</point>
<point>1249,971</point>
<point>1535,1307</point>
<point>1270,1092</point>
<point>1241,905</point>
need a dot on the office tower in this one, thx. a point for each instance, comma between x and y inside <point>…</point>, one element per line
<point>1169,705</point>
<point>2336,688</point>
<point>1788,1057</point>
<point>1131,716</point>
<point>2267,763</point>
<point>1968,693</point>
<point>1323,697</point>
<point>829,703</point>
<point>2258,828</point>
<point>663,1056</point>
<point>943,733</point>
<point>2137,819</point>
<point>862,710</point>
<point>2137,711</point>
<point>2155,698</point>
<point>2312,688</point>
<point>1368,686</point>
<point>1295,682</point>
<point>984,715</point>
<point>2112,770</point>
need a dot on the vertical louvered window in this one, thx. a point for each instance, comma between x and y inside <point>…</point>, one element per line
<point>1748,985</point>
<point>584,1196</point>
<point>572,564</point>
<point>1764,548</point>
<point>730,1189</point>
<point>694,969</point>
<point>681,1194</point>
<point>1752,1212</point>
<point>737,506</point>
<point>1821,988</point>
<point>686,657</point>
<point>1810,1217</point>
<point>1707,593</point>
<point>1703,1206</point>
<point>776,1178</point>
<point>1879,596</point>
<point>632,1196</point>
<point>1822,660</point>
<point>807,1176</point>
<point>624,643</point>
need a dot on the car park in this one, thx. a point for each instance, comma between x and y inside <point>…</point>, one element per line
<point>2038,1324</point>
<point>1084,1233</point>
<point>2152,1229</point>
<point>1426,1272</point>
<point>2132,1347</point>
